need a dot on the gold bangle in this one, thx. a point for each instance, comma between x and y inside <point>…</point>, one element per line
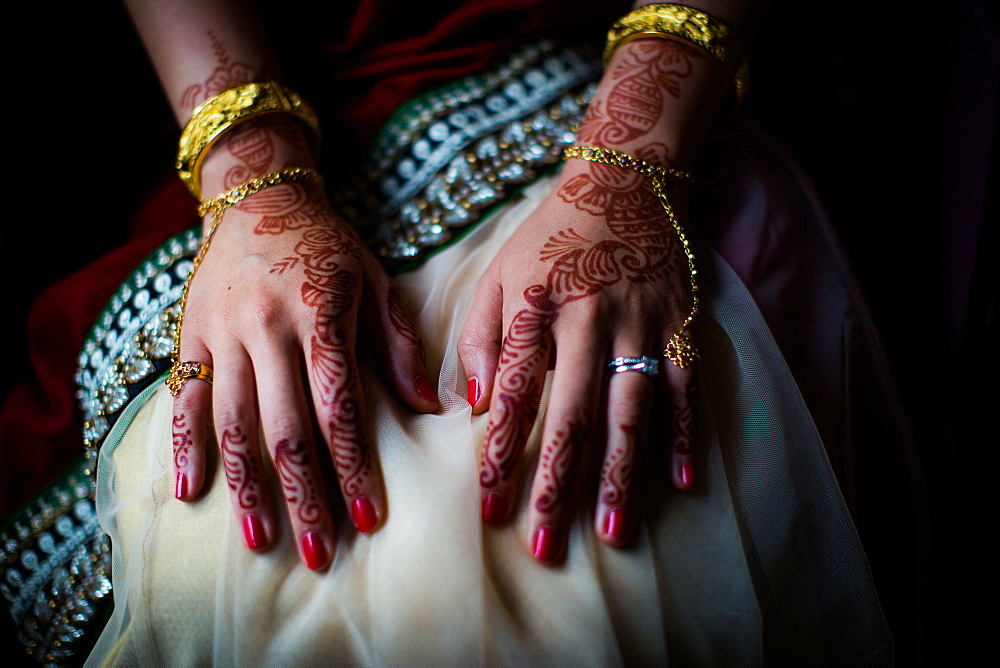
<point>221,112</point>
<point>683,23</point>
<point>679,349</point>
<point>217,206</point>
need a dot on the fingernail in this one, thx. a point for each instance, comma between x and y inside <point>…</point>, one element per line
<point>181,487</point>
<point>494,509</point>
<point>253,532</point>
<point>616,524</point>
<point>314,550</point>
<point>687,473</point>
<point>546,546</point>
<point>363,514</point>
<point>425,391</point>
<point>475,392</point>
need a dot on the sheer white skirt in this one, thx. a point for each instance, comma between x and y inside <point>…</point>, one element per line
<point>761,562</point>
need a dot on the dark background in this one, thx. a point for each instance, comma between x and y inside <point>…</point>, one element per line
<point>892,113</point>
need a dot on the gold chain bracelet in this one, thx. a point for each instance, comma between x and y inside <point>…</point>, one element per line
<point>217,206</point>
<point>679,348</point>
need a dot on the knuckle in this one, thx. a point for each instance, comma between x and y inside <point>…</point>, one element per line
<point>230,416</point>
<point>626,412</point>
<point>285,427</point>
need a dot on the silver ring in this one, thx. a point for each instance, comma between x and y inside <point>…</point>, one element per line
<point>647,365</point>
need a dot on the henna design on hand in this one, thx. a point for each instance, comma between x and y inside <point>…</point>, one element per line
<point>616,473</point>
<point>182,441</point>
<point>291,459</point>
<point>242,471</point>
<point>560,456</point>
<point>638,244</point>
<point>683,429</point>
<point>641,78</point>
<point>226,75</point>
<point>401,322</point>
<point>330,290</point>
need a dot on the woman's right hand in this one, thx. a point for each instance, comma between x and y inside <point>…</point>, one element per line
<point>273,309</point>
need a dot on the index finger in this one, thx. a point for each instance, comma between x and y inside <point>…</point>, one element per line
<point>517,391</point>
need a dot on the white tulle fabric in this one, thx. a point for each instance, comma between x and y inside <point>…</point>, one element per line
<point>761,562</point>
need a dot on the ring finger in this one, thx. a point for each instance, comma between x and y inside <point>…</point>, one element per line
<point>629,394</point>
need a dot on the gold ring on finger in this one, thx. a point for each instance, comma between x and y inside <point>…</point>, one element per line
<point>183,371</point>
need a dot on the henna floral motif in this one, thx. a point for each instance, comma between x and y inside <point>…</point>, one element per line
<point>400,322</point>
<point>291,459</point>
<point>683,429</point>
<point>616,473</point>
<point>226,75</point>
<point>182,441</point>
<point>242,470</point>
<point>558,457</point>
<point>330,289</point>
<point>635,101</point>
<point>523,357</point>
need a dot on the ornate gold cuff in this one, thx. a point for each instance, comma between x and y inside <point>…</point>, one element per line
<point>219,113</point>
<point>683,23</point>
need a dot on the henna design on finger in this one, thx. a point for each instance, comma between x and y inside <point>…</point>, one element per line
<point>182,441</point>
<point>330,290</point>
<point>401,321</point>
<point>616,473</point>
<point>559,456</point>
<point>229,73</point>
<point>683,429</point>
<point>523,357</point>
<point>291,459</point>
<point>242,470</point>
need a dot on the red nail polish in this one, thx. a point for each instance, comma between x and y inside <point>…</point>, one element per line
<point>314,550</point>
<point>616,524</point>
<point>363,514</point>
<point>494,509</point>
<point>546,546</point>
<point>425,391</point>
<point>181,487</point>
<point>253,532</point>
<point>687,473</point>
<point>475,392</point>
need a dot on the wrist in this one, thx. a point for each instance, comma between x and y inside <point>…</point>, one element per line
<point>252,149</point>
<point>656,91</point>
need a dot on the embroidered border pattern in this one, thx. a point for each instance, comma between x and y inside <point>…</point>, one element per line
<point>449,156</point>
<point>56,566</point>
<point>130,345</point>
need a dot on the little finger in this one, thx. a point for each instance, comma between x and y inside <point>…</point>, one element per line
<point>681,388</point>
